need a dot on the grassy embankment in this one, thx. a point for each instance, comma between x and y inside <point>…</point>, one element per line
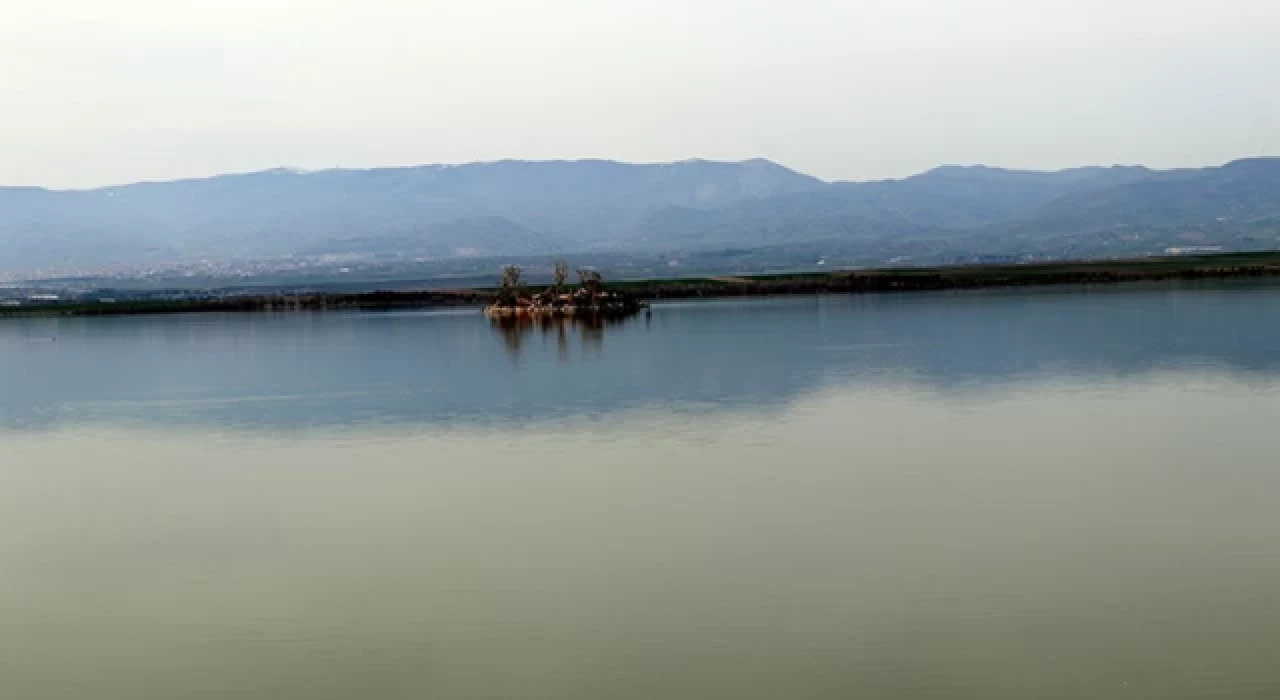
<point>1223,266</point>
<point>1218,266</point>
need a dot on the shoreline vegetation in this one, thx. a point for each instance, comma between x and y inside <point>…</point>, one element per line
<point>590,299</point>
<point>626,297</point>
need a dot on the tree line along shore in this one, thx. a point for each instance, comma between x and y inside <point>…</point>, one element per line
<point>885,280</point>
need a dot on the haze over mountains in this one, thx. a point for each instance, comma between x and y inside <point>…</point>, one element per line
<point>513,208</point>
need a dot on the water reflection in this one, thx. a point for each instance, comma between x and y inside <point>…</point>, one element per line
<point>589,332</point>
<point>304,371</point>
<point>861,544</point>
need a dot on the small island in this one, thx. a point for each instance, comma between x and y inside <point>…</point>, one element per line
<point>589,299</point>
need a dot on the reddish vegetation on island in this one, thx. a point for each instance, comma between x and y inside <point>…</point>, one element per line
<point>589,298</point>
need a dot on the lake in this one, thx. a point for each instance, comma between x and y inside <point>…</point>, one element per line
<point>1009,494</point>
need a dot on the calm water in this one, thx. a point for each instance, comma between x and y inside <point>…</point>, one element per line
<point>985,495</point>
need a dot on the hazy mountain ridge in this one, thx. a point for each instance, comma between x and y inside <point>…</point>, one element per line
<point>529,207</point>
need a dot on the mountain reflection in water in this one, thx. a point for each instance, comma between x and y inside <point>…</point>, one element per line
<point>336,370</point>
<point>1052,495</point>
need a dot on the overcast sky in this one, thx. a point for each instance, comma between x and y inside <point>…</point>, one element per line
<point>107,91</point>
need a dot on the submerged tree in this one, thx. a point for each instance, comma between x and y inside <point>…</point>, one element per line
<point>510,291</point>
<point>561,274</point>
<point>511,276</point>
<point>591,280</point>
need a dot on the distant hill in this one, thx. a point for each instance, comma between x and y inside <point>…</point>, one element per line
<point>1243,191</point>
<point>526,208</point>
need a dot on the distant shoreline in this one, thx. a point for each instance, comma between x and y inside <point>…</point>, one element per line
<point>870,281</point>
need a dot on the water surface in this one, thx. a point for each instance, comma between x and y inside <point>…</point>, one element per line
<point>993,495</point>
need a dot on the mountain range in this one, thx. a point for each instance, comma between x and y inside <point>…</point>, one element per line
<point>518,208</point>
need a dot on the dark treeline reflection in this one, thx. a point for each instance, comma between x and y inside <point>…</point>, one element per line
<point>587,333</point>
<point>319,370</point>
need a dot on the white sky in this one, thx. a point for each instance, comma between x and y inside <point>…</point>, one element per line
<point>105,91</point>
